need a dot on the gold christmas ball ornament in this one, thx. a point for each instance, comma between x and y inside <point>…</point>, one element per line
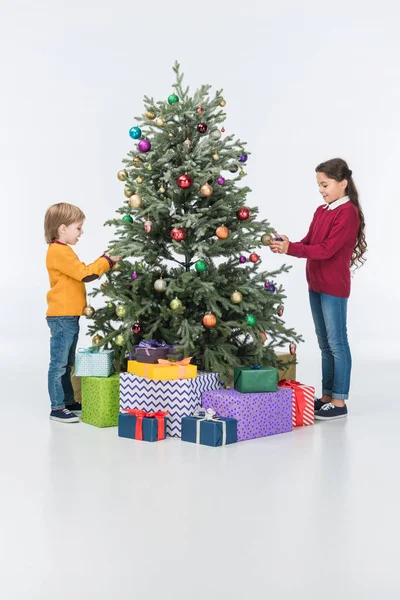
<point>216,156</point>
<point>159,122</point>
<point>139,179</point>
<point>122,175</point>
<point>175,304</point>
<point>120,311</point>
<point>222,103</point>
<point>136,201</point>
<point>97,339</point>
<point>137,161</point>
<point>116,267</point>
<point>88,311</point>
<point>120,340</point>
<point>171,134</point>
<point>162,190</point>
<point>266,239</point>
<point>160,285</point>
<point>206,189</point>
<point>128,193</point>
<point>149,115</point>
<point>236,297</point>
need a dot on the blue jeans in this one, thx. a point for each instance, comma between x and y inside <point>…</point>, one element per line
<point>330,320</point>
<point>63,341</point>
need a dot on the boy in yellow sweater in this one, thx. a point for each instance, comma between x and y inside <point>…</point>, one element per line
<point>66,301</point>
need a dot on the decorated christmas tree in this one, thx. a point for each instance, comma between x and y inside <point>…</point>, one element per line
<point>191,275</point>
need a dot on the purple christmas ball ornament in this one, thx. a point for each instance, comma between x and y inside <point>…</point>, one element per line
<point>243,158</point>
<point>221,181</point>
<point>134,275</point>
<point>242,259</point>
<point>144,146</point>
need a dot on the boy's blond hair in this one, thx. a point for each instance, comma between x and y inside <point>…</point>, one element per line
<point>60,214</point>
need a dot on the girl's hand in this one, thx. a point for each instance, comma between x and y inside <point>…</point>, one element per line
<point>280,247</point>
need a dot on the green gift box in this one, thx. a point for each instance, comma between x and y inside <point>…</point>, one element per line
<point>100,401</point>
<point>255,379</point>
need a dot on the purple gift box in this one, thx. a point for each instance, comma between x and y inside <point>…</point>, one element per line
<point>258,415</point>
<point>150,351</point>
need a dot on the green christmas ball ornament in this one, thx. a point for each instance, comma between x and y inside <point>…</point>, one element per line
<point>175,304</point>
<point>127,219</point>
<point>200,266</point>
<point>120,311</point>
<point>110,305</point>
<point>120,340</point>
<point>172,99</point>
<point>251,320</point>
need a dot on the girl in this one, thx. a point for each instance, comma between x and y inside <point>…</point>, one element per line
<point>334,243</point>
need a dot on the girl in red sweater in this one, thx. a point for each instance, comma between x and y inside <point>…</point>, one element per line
<point>334,243</point>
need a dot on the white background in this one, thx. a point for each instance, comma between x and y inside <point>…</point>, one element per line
<point>304,82</point>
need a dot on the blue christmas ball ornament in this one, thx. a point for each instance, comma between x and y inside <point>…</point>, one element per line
<point>135,133</point>
<point>243,158</point>
<point>272,288</point>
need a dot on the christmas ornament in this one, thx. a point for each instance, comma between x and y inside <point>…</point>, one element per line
<point>127,219</point>
<point>120,311</point>
<point>147,226</point>
<point>128,193</point>
<point>88,311</point>
<point>233,168</point>
<point>178,234</point>
<point>162,190</point>
<point>263,337</point>
<point>144,146</point>
<point>221,181</point>
<point>199,110</point>
<point>206,189</point>
<point>209,320</point>
<point>149,168</point>
<point>241,172</point>
<point>272,288</point>
<point>135,133</point>
<point>266,285</point>
<point>159,122</point>
<point>254,257</point>
<point>200,266</point>
<point>236,297</point>
<point>175,304</point>
<point>139,180</point>
<point>160,285</point>
<point>149,115</point>
<point>243,158</point>
<point>110,305</point>
<point>243,213</point>
<point>266,239</point>
<point>117,267</point>
<point>97,339</point>
<point>135,201</point>
<point>184,181</point>
<point>202,128</point>
<point>137,162</point>
<point>280,310</point>
<point>134,276</point>
<point>119,340</point>
<point>222,103</point>
<point>172,99</point>
<point>222,232</point>
<point>251,320</point>
<point>187,143</point>
<point>122,175</point>
<point>216,156</point>
<point>216,134</point>
<point>242,259</point>
<point>292,348</point>
<point>223,129</point>
<point>171,134</point>
<point>137,328</point>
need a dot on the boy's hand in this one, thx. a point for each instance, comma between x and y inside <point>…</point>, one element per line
<point>115,259</point>
<point>280,247</point>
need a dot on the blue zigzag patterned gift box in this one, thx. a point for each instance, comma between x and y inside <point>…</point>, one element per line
<point>179,397</point>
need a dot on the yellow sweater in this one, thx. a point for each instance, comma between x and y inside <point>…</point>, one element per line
<point>67,274</point>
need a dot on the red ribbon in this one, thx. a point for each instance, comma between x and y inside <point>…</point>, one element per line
<point>300,400</point>
<point>142,414</point>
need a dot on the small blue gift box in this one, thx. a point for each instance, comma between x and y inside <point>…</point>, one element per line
<point>92,362</point>
<point>204,427</point>
<point>139,425</point>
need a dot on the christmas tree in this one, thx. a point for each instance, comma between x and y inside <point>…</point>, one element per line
<point>190,275</point>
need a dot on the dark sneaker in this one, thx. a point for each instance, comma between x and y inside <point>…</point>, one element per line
<point>75,407</point>
<point>329,412</point>
<point>318,404</point>
<point>63,416</point>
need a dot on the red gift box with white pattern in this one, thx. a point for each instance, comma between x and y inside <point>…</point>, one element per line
<point>302,402</point>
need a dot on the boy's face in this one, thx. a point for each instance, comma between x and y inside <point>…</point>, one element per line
<point>70,234</point>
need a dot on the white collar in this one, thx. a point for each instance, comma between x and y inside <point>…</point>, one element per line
<point>337,203</point>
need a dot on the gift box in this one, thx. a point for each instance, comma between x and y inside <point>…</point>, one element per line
<point>302,402</point>
<point>94,363</point>
<point>205,427</point>
<point>142,425</point>
<point>258,415</point>
<point>255,379</point>
<point>179,397</point>
<point>100,400</point>
<point>164,370</point>
<point>287,368</point>
<point>150,351</point>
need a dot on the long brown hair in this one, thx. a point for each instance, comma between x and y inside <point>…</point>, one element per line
<point>338,169</point>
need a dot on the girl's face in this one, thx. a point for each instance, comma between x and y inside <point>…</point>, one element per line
<point>330,189</point>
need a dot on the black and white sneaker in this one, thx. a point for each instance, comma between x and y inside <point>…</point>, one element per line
<point>63,415</point>
<point>318,404</point>
<point>76,407</point>
<point>329,412</point>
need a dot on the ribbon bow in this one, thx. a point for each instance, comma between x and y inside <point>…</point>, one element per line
<point>181,364</point>
<point>153,344</point>
<point>208,415</point>
<point>142,414</point>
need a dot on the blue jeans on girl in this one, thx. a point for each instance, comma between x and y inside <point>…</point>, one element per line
<point>63,341</point>
<point>330,320</point>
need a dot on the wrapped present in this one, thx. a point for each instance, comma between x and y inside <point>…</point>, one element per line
<point>258,415</point>
<point>180,397</point>
<point>287,368</point>
<point>100,400</point>
<point>204,427</point>
<point>302,402</point>
<point>255,379</point>
<point>164,370</point>
<point>150,351</point>
<point>90,362</point>
<point>142,425</point>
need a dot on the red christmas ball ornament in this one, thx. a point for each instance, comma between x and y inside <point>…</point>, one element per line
<point>254,257</point>
<point>202,128</point>
<point>223,129</point>
<point>243,213</point>
<point>137,328</point>
<point>184,181</point>
<point>178,234</point>
<point>199,110</point>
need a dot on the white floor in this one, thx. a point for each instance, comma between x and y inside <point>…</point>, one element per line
<point>309,514</point>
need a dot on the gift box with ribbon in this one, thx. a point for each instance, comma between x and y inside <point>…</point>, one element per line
<point>258,415</point>
<point>141,425</point>
<point>180,397</point>
<point>302,402</point>
<point>100,400</point>
<point>94,362</point>
<point>150,351</point>
<point>255,379</point>
<point>164,370</point>
<point>205,427</point>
